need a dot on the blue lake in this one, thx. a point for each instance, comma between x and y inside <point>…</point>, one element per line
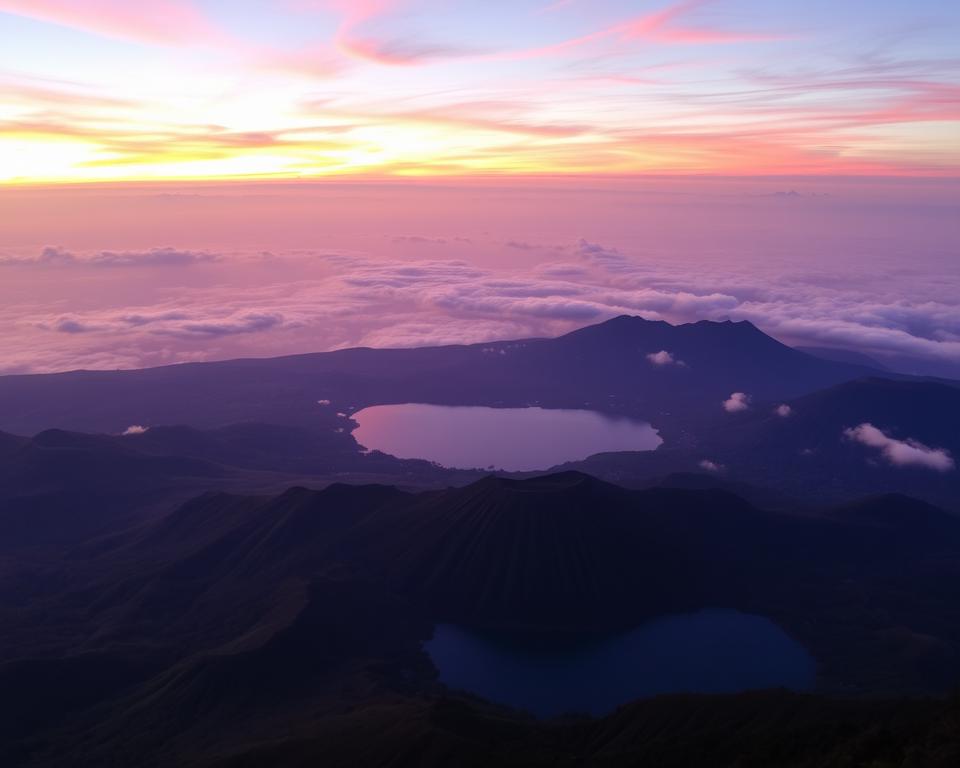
<point>711,651</point>
<point>513,439</point>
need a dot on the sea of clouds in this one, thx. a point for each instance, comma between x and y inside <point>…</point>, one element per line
<point>262,304</point>
<point>268,271</point>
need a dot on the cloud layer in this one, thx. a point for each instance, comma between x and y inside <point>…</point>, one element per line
<point>316,301</point>
<point>274,269</point>
<point>52,256</point>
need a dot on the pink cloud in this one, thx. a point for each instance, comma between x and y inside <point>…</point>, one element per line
<point>656,27</point>
<point>737,402</point>
<point>160,22</point>
<point>901,453</point>
<point>660,27</point>
<point>170,23</point>
<point>664,358</point>
<point>38,92</point>
<point>557,5</point>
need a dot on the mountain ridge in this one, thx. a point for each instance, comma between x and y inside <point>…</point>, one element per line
<point>606,367</point>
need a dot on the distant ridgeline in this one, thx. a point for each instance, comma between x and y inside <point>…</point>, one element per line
<point>728,401</point>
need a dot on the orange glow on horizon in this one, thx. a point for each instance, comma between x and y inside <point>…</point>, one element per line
<point>185,90</point>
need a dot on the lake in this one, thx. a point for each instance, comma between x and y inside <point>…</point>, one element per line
<point>713,651</point>
<point>513,439</point>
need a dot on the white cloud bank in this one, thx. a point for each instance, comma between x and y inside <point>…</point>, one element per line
<point>783,411</point>
<point>54,256</point>
<point>135,429</point>
<point>242,304</point>
<point>901,453</point>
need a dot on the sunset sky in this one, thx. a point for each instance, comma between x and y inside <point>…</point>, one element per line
<point>188,180</point>
<point>99,90</point>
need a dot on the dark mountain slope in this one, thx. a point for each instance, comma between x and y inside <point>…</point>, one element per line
<point>563,552</point>
<point>810,454</point>
<point>570,554</point>
<point>270,627</point>
<point>807,458</point>
<point>758,496</point>
<point>349,643</point>
<point>183,579</point>
<point>756,730</point>
<point>844,356</point>
<point>60,487</point>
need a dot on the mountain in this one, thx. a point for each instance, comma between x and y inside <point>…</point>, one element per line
<point>807,451</point>
<point>557,552</point>
<point>812,453</point>
<point>753,730</point>
<point>63,486</point>
<point>239,628</point>
<point>60,487</point>
<point>603,367</point>
<point>844,356</point>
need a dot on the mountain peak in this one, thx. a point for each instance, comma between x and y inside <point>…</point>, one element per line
<point>557,481</point>
<point>739,326</point>
<point>638,322</point>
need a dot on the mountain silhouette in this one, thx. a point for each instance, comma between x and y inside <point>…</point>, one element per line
<point>602,367</point>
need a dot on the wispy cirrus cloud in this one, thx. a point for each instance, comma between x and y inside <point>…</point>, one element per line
<point>39,92</point>
<point>159,22</point>
<point>200,90</point>
<point>659,27</point>
<point>557,5</point>
<point>176,24</point>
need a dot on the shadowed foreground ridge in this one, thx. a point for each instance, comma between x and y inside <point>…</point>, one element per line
<point>249,630</point>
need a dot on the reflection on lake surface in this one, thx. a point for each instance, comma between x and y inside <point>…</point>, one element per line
<point>706,652</point>
<point>514,439</point>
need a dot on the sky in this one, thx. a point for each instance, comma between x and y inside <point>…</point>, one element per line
<point>186,180</point>
<point>182,89</point>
